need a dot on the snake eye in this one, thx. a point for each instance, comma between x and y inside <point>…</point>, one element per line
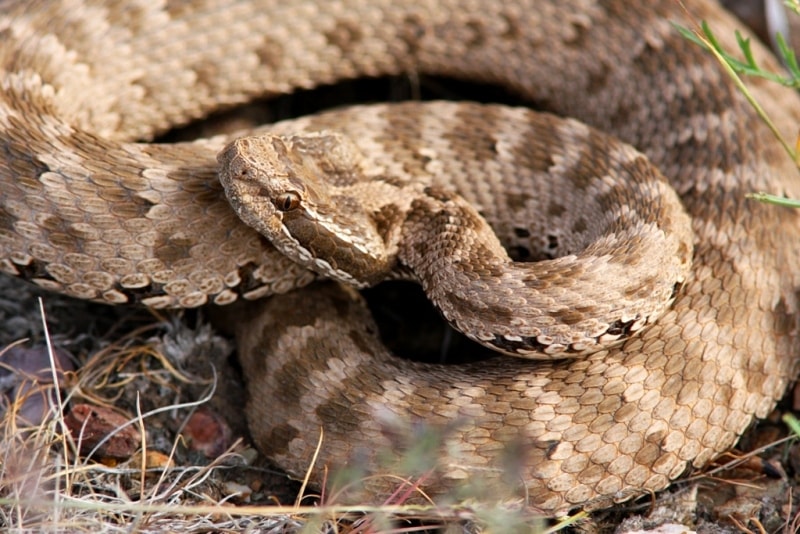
<point>287,201</point>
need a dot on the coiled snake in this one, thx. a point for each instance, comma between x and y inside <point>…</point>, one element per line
<point>87,210</point>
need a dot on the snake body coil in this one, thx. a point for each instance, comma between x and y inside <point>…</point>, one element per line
<point>88,209</point>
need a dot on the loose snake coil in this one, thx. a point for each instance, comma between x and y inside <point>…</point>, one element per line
<point>89,210</point>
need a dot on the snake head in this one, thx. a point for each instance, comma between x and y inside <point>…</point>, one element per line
<point>294,191</point>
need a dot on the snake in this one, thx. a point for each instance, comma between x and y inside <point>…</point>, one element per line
<point>629,398</point>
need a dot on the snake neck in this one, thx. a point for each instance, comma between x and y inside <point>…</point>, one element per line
<point>565,307</point>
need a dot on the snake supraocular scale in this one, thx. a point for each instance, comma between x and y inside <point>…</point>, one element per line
<point>88,211</point>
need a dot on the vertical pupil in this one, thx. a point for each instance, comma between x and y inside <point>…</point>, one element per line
<point>287,202</point>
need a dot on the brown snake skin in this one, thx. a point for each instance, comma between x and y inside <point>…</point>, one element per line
<point>86,211</point>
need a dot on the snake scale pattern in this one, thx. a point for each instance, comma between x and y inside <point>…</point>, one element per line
<point>90,209</point>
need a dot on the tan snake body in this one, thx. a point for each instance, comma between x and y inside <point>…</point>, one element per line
<point>86,211</point>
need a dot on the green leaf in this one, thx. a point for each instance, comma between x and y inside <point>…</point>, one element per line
<point>774,199</point>
<point>792,422</point>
